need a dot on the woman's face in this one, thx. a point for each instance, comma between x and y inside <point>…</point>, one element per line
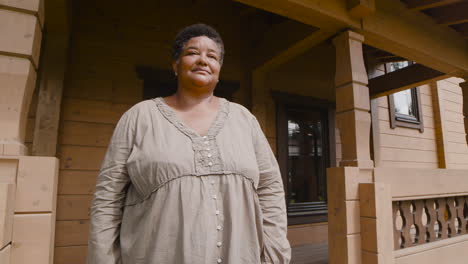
<point>199,63</point>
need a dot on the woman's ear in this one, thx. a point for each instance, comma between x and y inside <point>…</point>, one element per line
<point>174,67</point>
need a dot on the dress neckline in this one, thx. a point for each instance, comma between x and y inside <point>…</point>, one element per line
<point>173,118</point>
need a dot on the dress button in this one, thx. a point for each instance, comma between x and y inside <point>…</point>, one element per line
<point>217,212</point>
<point>206,142</point>
<point>207,149</point>
<point>219,244</point>
<point>210,163</point>
<point>212,182</point>
<point>214,197</point>
<point>218,228</point>
<point>204,137</point>
<point>219,260</point>
<point>209,155</point>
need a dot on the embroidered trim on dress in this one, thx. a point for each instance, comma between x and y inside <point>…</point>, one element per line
<point>214,129</point>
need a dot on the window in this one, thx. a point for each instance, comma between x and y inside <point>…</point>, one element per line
<point>404,106</point>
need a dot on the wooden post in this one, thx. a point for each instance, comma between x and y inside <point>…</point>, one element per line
<point>440,123</point>
<point>464,86</point>
<point>352,101</point>
<point>21,33</point>
<point>353,121</point>
<point>376,223</point>
<point>28,185</point>
<point>52,76</point>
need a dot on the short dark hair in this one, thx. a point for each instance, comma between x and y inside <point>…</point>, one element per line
<point>194,31</point>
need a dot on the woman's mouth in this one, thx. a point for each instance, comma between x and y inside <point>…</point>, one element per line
<point>198,70</point>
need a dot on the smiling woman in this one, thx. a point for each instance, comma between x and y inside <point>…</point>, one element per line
<point>189,178</point>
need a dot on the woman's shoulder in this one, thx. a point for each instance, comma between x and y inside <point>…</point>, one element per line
<point>138,110</point>
<point>141,107</point>
<point>240,110</point>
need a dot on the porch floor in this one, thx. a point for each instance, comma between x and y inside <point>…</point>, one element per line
<point>310,254</point>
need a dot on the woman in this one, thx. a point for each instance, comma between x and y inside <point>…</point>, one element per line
<point>189,178</point>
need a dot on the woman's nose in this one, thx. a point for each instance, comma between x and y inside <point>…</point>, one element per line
<point>202,59</point>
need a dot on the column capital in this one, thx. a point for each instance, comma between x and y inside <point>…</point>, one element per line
<point>346,35</point>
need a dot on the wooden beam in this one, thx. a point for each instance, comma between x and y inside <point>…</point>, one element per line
<point>270,44</point>
<point>392,59</point>
<point>426,4</point>
<point>415,36</point>
<point>381,54</point>
<point>408,77</point>
<point>392,27</point>
<point>330,15</point>
<point>462,29</point>
<point>360,8</point>
<point>450,15</point>
<point>294,50</point>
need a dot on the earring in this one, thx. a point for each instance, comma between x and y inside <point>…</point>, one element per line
<point>175,73</point>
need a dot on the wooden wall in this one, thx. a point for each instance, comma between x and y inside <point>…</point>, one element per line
<point>400,146</point>
<point>456,148</point>
<point>408,147</point>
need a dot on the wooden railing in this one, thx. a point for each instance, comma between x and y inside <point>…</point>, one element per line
<point>416,222</point>
<point>415,216</point>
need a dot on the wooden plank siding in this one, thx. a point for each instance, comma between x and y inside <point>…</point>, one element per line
<point>457,148</point>
<point>407,147</point>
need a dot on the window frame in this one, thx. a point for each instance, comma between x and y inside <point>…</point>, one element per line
<point>398,120</point>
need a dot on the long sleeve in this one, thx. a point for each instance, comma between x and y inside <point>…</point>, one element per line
<point>109,198</point>
<point>270,191</point>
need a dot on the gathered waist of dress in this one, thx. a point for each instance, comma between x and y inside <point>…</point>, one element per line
<point>135,198</point>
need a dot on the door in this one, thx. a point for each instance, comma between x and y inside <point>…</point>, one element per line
<point>303,155</point>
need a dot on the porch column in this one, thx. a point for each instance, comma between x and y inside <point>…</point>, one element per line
<point>353,121</point>
<point>27,184</point>
<point>352,101</point>
<point>464,86</point>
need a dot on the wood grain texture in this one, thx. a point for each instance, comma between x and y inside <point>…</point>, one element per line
<point>81,158</point>
<point>77,181</point>
<point>92,111</point>
<point>70,255</point>
<point>71,233</point>
<point>85,134</point>
<point>73,207</point>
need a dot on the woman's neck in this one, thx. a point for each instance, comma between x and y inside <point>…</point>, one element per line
<point>183,100</point>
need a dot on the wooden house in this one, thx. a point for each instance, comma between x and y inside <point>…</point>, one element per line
<point>364,102</point>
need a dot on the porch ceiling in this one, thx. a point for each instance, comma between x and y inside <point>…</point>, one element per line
<point>452,13</point>
<point>392,26</point>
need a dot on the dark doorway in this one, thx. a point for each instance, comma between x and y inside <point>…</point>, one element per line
<point>304,155</point>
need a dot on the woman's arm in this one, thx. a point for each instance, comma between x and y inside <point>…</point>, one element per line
<point>271,195</point>
<point>109,198</point>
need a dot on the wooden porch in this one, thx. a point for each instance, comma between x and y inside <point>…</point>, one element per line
<point>310,254</point>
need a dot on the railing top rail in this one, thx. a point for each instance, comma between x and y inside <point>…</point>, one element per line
<point>409,183</point>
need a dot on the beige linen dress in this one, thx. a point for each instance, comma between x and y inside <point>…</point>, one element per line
<point>167,195</point>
